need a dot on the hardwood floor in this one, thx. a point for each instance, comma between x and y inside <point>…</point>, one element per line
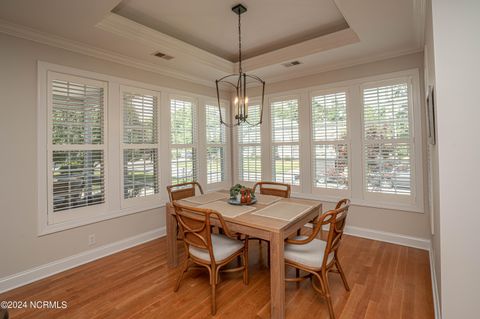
<point>386,281</point>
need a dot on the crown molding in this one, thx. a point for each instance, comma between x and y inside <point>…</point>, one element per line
<point>320,44</point>
<point>342,65</point>
<point>157,40</point>
<point>82,48</point>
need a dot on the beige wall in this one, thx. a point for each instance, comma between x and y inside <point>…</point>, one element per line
<point>457,50</point>
<point>433,150</point>
<point>387,220</point>
<point>20,247</point>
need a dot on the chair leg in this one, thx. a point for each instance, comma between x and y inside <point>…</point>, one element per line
<point>245,265</point>
<point>180,275</point>
<point>299,232</point>
<point>342,274</point>
<point>327,293</point>
<point>268,254</point>
<point>213,283</point>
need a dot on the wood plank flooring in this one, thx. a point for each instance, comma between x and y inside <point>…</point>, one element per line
<point>386,281</point>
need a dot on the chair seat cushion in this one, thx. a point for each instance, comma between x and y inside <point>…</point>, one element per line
<point>310,254</point>
<point>223,247</point>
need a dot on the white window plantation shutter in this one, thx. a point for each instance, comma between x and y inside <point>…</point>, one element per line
<point>140,144</point>
<point>77,144</point>
<point>183,141</point>
<point>330,145</point>
<point>286,146</point>
<point>387,139</point>
<point>250,153</point>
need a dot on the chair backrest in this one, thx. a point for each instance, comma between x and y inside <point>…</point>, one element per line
<point>184,190</point>
<point>336,219</point>
<point>273,188</point>
<point>195,227</point>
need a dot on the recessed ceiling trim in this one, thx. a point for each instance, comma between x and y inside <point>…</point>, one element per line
<point>320,44</point>
<point>132,30</point>
<point>342,65</point>
<point>23,32</point>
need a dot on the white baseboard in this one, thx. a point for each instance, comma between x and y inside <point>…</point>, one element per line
<point>393,238</point>
<point>435,292</point>
<point>37,273</point>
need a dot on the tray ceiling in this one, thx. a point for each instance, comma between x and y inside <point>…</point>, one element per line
<point>268,25</point>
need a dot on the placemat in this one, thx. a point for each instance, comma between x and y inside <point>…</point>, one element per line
<point>206,198</point>
<point>227,209</point>
<point>267,199</point>
<point>283,210</point>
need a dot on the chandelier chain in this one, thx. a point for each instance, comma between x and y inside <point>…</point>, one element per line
<point>240,43</point>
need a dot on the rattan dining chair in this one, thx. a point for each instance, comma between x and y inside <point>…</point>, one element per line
<point>209,250</point>
<point>184,190</point>
<point>181,191</point>
<point>318,257</point>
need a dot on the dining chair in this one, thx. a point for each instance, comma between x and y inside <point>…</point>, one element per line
<point>209,250</point>
<point>183,190</point>
<point>275,189</point>
<point>318,257</point>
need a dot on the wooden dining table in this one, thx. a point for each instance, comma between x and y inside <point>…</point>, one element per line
<point>270,229</point>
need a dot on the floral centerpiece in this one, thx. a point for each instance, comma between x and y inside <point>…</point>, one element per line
<point>241,194</point>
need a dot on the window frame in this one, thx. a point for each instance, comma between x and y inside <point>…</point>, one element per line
<point>226,183</point>
<point>86,211</point>
<point>238,169</point>
<point>328,191</point>
<point>114,205</point>
<point>150,199</point>
<point>354,111</point>
<point>300,103</point>
<point>195,134</point>
<point>382,197</point>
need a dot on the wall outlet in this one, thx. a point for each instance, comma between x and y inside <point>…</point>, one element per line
<point>91,240</point>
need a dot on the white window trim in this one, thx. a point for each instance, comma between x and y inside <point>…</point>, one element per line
<point>226,183</point>
<point>197,137</point>
<point>335,193</point>
<point>88,211</point>
<point>300,142</point>
<point>356,160</point>
<point>236,150</point>
<point>149,200</point>
<point>379,197</point>
<point>113,132</point>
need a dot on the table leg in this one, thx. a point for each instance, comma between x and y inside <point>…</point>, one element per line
<point>172,251</point>
<point>277,276</point>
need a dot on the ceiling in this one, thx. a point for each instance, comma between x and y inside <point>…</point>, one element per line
<point>201,36</point>
<point>267,25</point>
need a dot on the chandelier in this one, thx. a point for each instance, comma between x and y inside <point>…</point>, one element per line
<point>239,82</point>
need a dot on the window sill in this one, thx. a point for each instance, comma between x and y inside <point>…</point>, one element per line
<point>364,203</point>
<point>74,223</point>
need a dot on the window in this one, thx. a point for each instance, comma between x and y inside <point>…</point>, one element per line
<point>330,141</point>
<point>76,147</point>
<point>250,153</point>
<point>387,139</point>
<point>216,144</point>
<point>140,143</point>
<point>183,140</point>
<point>286,144</point>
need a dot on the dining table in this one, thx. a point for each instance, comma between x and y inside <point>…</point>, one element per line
<point>271,219</point>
